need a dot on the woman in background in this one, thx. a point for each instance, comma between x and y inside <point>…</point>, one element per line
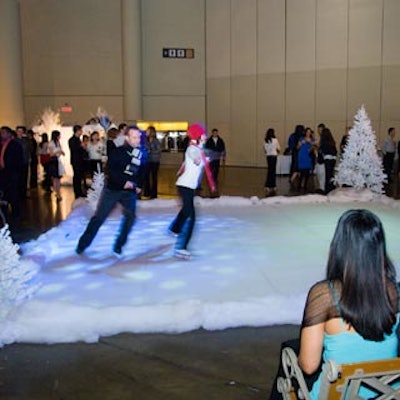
<point>44,158</point>
<point>327,147</point>
<point>272,150</point>
<point>153,163</point>
<point>96,150</point>
<point>56,168</point>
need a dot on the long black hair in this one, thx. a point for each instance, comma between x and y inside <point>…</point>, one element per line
<point>359,261</point>
<point>269,135</point>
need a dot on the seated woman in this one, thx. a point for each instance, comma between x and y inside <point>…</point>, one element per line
<point>351,316</point>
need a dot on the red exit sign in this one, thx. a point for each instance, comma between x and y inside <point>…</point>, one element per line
<point>172,52</point>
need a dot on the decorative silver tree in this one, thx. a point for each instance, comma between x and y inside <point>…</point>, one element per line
<point>360,165</point>
<point>17,277</point>
<point>95,190</point>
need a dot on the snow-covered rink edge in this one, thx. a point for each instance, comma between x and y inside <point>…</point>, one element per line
<point>253,263</point>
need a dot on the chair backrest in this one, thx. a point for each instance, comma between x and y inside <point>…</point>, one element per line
<point>345,381</point>
<point>376,379</point>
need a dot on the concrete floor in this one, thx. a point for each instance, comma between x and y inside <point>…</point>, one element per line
<point>231,364</point>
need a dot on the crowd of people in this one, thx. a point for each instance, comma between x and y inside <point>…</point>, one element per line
<point>311,155</point>
<point>315,155</point>
<point>341,320</point>
<point>128,176</point>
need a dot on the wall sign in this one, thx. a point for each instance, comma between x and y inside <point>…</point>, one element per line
<point>172,52</point>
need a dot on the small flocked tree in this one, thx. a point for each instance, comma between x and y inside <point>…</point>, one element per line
<point>95,190</point>
<point>18,280</point>
<point>360,165</point>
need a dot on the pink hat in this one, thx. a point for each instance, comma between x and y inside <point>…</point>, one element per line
<point>196,130</point>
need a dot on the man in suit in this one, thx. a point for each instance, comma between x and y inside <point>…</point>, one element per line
<point>77,161</point>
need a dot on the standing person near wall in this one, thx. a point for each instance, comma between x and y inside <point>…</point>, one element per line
<point>153,164</point>
<point>11,163</point>
<point>389,151</point>
<point>123,184</point>
<point>44,157</point>
<point>96,150</point>
<point>189,176</point>
<point>272,150</point>
<point>77,161</point>
<point>56,167</point>
<point>216,152</point>
<point>327,146</point>
<point>33,163</point>
<point>22,139</point>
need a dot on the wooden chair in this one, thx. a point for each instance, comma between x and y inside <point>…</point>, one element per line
<point>342,381</point>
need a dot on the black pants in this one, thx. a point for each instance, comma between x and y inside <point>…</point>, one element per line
<point>183,223</point>
<point>271,173</point>
<point>329,172</point>
<point>388,161</point>
<point>77,180</point>
<point>107,202</point>
<point>214,167</point>
<point>153,178</point>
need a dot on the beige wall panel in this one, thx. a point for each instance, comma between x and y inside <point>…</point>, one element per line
<point>365,33</point>
<point>83,108</point>
<point>11,100</point>
<point>244,37</point>
<point>243,83</point>
<point>331,95</point>
<point>68,49</point>
<point>364,87</point>
<point>300,96</point>
<point>218,28</point>
<point>271,97</point>
<point>174,108</point>
<point>391,33</point>
<point>365,55</point>
<point>218,100</point>
<point>218,69</point>
<point>331,34</point>
<point>300,35</point>
<point>391,64</point>
<point>300,60</point>
<point>242,143</point>
<point>270,66</point>
<point>331,61</point>
<point>173,23</point>
<point>270,36</point>
<point>391,93</point>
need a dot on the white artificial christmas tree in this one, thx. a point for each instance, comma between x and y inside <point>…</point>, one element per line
<point>360,165</point>
<point>17,277</point>
<point>95,190</point>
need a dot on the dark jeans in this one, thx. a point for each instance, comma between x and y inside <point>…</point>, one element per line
<point>388,161</point>
<point>214,167</point>
<point>310,379</point>
<point>271,173</point>
<point>107,202</point>
<point>183,223</point>
<point>77,180</point>
<point>329,172</point>
<point>152,181</point>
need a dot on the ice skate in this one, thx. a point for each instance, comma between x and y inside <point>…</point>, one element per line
<point>182,254</point>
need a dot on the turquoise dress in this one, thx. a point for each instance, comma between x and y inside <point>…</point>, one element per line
<point>347,347</point>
